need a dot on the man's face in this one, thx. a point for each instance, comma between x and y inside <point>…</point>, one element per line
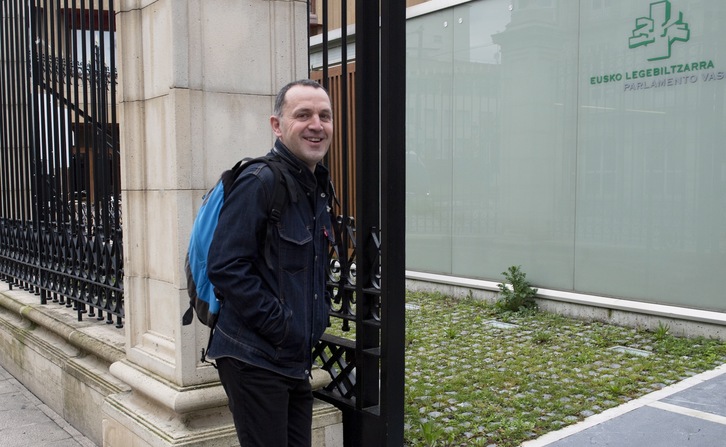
<point>306,123</point>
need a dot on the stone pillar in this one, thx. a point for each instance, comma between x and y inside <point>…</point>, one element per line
<point>197,80</point>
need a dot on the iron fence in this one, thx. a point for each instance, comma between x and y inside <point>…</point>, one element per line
<point>60,218</point>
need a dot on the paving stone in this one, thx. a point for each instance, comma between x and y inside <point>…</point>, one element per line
<point>26,422</point>
<point>35,434</point>
<point>709,396</point>
<point>648,426</point>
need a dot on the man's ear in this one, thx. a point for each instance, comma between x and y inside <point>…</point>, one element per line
<point>275,124</point>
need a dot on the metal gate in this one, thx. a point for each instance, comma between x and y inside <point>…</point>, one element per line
<point>366,278</point>
<point>60,218</point>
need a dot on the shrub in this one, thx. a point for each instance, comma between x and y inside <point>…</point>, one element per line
<point>516,294</point>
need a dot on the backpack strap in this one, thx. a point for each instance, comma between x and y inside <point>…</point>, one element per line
<point>230,175</point>
<point>283,188</point>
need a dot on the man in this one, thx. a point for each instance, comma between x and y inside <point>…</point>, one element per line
<point>272,317</point>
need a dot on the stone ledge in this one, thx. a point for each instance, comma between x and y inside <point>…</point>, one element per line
<point>58,359</point>
<point>89,335</point>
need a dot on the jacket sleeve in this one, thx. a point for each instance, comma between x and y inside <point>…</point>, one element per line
<point>235,260</point>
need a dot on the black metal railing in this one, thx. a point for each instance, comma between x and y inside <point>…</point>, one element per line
<point>367,270</point>
<point>60,218</point>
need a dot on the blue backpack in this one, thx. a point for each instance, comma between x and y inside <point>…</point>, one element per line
<point>203,299</point>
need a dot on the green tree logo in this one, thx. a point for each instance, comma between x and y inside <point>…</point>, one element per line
<point>659,31</point>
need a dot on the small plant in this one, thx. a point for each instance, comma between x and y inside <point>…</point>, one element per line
<point>662,331</point>
<point>431,433</point>
<point>479,442</point>
<point>542,337</point>
<point>615,389</point>
<point>517,294</point>
<point>452,332</point>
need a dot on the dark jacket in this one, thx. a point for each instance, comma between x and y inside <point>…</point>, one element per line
<point>272,318</point>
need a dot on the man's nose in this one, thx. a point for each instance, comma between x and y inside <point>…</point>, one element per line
<point>316,123</point>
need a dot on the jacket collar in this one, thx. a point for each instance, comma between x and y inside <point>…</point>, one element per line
<point>299,170</point>
<point>287,156</point>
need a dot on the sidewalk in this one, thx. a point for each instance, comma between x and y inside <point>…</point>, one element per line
<point>26,422</point>
<point>691,413</point>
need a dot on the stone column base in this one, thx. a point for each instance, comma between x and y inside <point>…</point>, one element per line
<point>158,414</point>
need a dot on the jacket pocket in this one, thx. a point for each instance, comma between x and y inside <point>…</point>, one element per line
<point>295,240</point>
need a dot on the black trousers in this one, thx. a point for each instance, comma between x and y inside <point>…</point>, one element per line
<point>269,410</point>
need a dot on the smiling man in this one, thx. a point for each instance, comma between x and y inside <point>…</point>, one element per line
<point>303,122</point>
<point>272,280</point>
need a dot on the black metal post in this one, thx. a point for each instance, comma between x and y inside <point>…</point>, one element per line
<point>380,293</point>
<point>393,216</point>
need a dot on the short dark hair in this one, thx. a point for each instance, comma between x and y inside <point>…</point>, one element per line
<point>280,99</point>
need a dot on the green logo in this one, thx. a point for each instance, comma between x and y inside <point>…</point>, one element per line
<point>658,32</point>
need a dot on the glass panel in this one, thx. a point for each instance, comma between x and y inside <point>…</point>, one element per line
<point>429,142</point>
<point>514,140</point>
<point>651,208</point>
